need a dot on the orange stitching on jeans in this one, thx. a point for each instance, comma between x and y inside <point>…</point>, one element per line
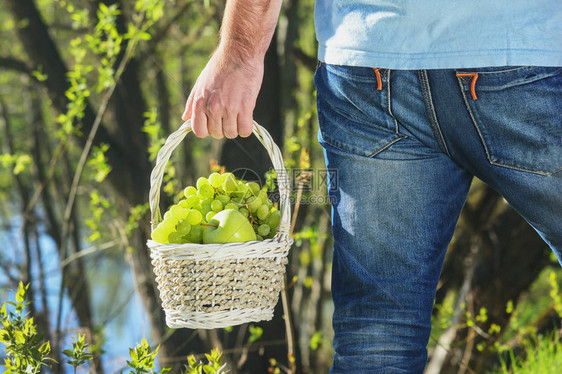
<point>379,80</point>
<point>472,83</point>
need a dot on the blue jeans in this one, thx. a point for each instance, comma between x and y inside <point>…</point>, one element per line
<point>406,145</point>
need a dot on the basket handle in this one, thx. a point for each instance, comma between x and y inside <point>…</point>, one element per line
<point>265,139</point>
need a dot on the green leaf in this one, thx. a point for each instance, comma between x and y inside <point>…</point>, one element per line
<point>68,352</point>
<point>103,8</point>
<point>21,163</point>
<point>95,236</point>
<point>133,354</point>
<point>45,348</point>
<point>315,340</point>
<point>191,360</point>
<point>39,75</point>
<point>4,336</point>
<point>20,337</point>
<point>20,294</point>
<point>144,36</point>
<point>255,333</point>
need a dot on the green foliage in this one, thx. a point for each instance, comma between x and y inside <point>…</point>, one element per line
<point>256,332</point>
<point>78,355</point>
<point>153,129</point>
<point>213,365</point>
<point>316,340</point>
<point>543,295</point>
<point>26,352</point>
<point>98,163</point>
<point>555,293</point>
<point>135,216</point>
<point>311,233</point>
<point>77,92</point>
<point>311,253</point>
<point>543,355</point>
<point>39,75</point>
<point>79,18</point>
<point>171,184</point>
<point>142,359</point>
<point>270,177</point>
<point>441,320</point>
<point>25,349</point>
<point>98,206</point>
<point>153,10</point>
<point>17,162</point>
<point>106,44</point>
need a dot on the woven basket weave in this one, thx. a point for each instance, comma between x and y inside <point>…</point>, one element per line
<point>204,286</point>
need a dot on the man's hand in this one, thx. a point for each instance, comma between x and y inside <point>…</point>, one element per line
<point>224,96</point>
<point>223,99</point>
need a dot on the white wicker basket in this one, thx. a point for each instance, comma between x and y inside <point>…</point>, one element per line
<point>204,286</point>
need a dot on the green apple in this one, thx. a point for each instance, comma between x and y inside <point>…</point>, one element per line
<point>228,226</point>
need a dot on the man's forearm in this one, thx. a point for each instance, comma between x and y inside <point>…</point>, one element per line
<point>247,28</point>
<point>223,98</point>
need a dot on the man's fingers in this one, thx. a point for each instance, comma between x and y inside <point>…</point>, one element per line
<point>215,127</point>
<point>188,104</point>
<point>245,125</point>
<point>214,110</point>
<point>214,124</point>
<point>218,117</point>
<point>199,121</point>
<point>229,126</point>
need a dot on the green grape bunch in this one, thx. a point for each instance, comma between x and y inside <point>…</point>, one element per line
<point>186,221</point>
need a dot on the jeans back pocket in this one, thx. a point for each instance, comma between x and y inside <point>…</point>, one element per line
<point>517,112</point>
<point>353,110</point>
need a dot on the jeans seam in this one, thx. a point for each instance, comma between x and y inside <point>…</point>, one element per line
<point>493,72</point>
<point>430,111</point>
<point>387,145</point>
<point>485,145</point>
<point>389,107</point>
<point>351,77</point>
<point>370,155</point>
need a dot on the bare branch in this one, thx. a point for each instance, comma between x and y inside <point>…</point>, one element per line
<point>110,244</point>
<point>163,31</point>
<point>13,63</point>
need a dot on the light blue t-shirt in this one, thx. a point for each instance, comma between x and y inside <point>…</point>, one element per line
<point>439,34</point>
